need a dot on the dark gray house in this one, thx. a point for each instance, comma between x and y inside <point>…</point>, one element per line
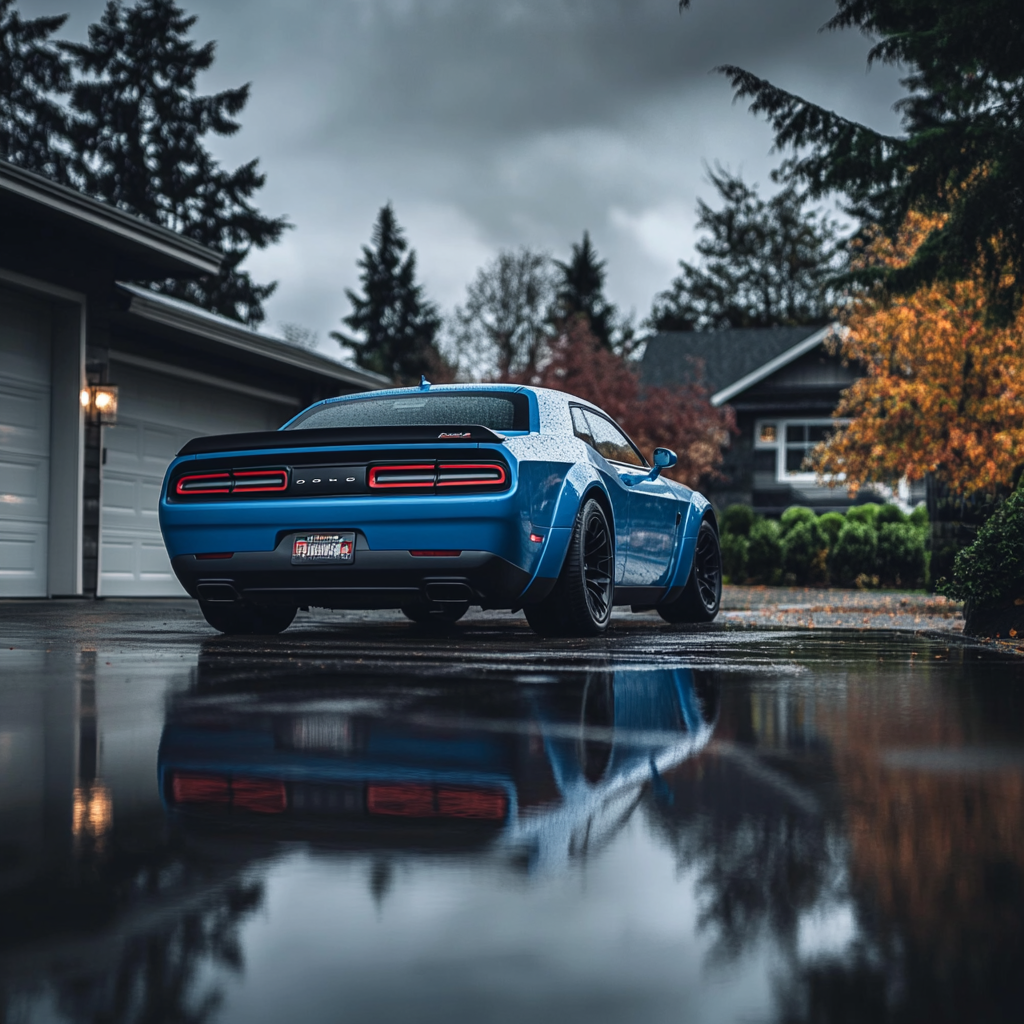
<point>78,497</point>
<point>783,384</point>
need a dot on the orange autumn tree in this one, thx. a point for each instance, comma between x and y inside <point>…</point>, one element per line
<point>942,388</point>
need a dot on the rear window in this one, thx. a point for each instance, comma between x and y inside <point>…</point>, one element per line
<point>497,412</point>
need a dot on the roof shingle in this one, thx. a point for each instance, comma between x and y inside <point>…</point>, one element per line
<point>675,357</point>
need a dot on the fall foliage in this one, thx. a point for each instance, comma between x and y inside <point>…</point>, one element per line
<point>680,418</point>
<point>943,386</point>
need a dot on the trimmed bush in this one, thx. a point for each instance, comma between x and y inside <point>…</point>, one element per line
<point>830,524</point>
<point>737,520</point>
<point>795,515</point>
<point>734,557</point>
<point>919,517</point>
<point>764,554</point>
<point>889,514</point>
<point>901,555</point>
<point>853,553</point>
<point>990,572</point>
<point>804,552</point>
<point>866,513</point>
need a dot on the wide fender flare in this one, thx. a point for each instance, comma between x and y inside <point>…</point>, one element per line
<point>579,481</point>
<point>700,508</point>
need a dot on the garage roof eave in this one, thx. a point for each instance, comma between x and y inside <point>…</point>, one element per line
<point>183,316</point>
<point>175,253</point>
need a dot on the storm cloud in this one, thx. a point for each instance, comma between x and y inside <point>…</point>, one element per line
<point>493,124</point>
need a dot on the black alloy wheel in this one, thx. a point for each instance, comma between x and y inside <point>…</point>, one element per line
<point>581,602</point>
<point>248,619</point>
<point>435,614</point>
<point>702,596</point>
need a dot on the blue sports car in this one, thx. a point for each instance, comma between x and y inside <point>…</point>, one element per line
<point>435,498</point>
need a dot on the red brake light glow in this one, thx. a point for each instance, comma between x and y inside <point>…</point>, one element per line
<point>192,788</point>
<point>415,800</point>
<point>436,554</point>
<point>217,554</point>
<point>263,796</point>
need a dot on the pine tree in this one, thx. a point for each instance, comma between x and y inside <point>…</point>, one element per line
<point>764,263</point>
<point>581,291</point>
<point>138,133</point>
<point>398,326</point>
<point>33,125</point>
<point>960,157</point>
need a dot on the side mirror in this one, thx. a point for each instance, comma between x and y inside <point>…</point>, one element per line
<point>664,458</point>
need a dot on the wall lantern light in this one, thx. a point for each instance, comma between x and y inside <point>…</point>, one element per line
<point>100,403</point>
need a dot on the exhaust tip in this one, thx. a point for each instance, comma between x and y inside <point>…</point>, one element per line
<point>447,592</point>
<point>217,592</point>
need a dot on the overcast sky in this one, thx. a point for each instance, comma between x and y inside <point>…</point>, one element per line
<point>499,123</point>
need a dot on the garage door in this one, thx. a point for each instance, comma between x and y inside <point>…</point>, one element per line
<point>25,331</point>
<point>156,416</point>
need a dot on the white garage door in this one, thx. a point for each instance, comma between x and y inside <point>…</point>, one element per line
<point>156,415</point>
<point>25,331</point>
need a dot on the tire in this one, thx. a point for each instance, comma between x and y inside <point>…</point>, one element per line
<point>248,619</point>
<point>702,596</point>
<point>581,602</point>
<point>435,615</point>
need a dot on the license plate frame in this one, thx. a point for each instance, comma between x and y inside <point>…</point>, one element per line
<point>324,547</point>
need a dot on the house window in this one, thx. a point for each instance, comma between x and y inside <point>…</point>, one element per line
<point>783,446</point>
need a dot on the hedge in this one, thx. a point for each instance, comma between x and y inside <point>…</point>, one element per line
<point>871,545</point>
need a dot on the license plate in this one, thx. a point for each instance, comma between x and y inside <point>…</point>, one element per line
<point>316,548</point>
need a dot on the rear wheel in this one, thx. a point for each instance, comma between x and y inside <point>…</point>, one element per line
<point>581,602</point>
<point>435,614</point>
<point>248,619</point>
<point>702,595</point>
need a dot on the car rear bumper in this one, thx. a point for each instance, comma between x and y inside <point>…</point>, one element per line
<point>375,579</point>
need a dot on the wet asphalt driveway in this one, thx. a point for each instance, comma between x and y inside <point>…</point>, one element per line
<point>362,821</point>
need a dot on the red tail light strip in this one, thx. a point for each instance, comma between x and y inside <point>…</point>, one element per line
<point>250,482</point>
<point>414,800</point>
<point>421,475</point>
<point>263,796</point>
<point>470,474</point>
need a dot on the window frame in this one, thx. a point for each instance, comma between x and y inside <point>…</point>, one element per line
<point>780,444</point>
<point>589,440</point>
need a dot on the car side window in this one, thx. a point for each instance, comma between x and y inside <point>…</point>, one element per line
<point>611,442</point>
<point>579,425</point>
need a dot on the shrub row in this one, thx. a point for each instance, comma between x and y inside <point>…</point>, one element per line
<point>871,545</point>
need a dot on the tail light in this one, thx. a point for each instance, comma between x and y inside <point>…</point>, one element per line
<point>247,482</point>
<point>263,796</point>
<point>205,483</point>
<point>405,801</point>
<point>190,788</point>
<point>447,474</point>
<point>470,474</point>
<point>266,480</point>
<point>415,800</point>
<point>421,475</point>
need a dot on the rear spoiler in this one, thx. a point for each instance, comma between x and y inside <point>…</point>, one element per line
<point>333,437</point>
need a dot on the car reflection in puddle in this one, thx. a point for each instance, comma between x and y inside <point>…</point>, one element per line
<point>535,771</point>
